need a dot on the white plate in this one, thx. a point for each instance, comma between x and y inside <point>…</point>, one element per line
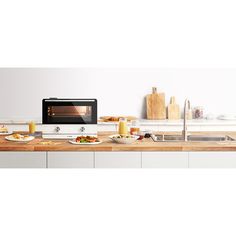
<point>10,138</point>
<point>8,133</point>
<point>76,143</point>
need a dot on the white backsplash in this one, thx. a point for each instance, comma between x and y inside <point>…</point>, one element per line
<point>119,91</point>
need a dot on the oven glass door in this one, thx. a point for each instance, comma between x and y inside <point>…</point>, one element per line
<point>69,111</point>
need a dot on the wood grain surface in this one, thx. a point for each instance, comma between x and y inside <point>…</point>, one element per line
<point>173,110</point>
<point>108,145</point>
<point>156,108</point>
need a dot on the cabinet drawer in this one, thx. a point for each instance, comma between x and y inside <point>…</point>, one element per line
<point>165,160</point>
<point>118,160</point>
<point>212,159</point>
<point>22,159</point>
<point>70,159</point>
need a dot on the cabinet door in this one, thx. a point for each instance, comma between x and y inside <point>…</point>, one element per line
<point>118,160</point>
<point>212,159</point>
<point>22,159</point>
<point>70,159</point>
<point>164,159</point>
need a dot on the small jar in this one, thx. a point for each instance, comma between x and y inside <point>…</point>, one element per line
<point>135,127</point>
<point>198,113</point>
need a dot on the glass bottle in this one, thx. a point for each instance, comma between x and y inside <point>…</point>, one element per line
<point>198,112</point>
<point>135,127</point>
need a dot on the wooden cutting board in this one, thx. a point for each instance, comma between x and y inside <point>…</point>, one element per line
<point>173,110</point>
<point>156,107</point>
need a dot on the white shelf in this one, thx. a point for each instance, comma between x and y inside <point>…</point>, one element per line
<point>143,122</point>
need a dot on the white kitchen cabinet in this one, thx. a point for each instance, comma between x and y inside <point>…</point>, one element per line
<point>23,159</point>
<point>212,159</point>
<point>70,159</point>
<point>118,160</point>
<point>164,159</point>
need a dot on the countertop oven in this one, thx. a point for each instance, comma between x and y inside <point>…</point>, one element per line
<point>69,118</point>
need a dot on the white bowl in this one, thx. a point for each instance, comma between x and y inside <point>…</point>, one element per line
<point>123,140</point>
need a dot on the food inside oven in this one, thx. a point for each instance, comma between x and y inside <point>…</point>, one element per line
<point>69,111</point>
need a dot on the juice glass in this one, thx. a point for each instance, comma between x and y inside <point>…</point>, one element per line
<point>123,127</point>
<point>32,127</point>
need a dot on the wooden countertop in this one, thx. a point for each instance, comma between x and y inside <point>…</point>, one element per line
<point>108,145</point>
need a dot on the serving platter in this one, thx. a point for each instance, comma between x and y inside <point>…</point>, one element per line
<point>11,138</point>
<point>78,143</point>
<point>8,133</point>
<point>115,119</point>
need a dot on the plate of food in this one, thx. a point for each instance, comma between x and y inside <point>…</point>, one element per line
<point>4,130</point>
<point>116,118</point>
<point>124,139</point>
<point>85,140</point>
<point>19,138</point>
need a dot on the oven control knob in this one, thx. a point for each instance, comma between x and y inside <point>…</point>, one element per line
<point>82,129</point>
<point>57,129</point>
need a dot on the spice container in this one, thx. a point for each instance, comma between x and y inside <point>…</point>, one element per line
<point>198,113</point>
<point>135,127</point>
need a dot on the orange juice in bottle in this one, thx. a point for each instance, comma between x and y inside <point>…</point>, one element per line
<point>123,127</point>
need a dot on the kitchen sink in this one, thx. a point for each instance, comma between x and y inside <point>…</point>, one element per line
<point>191,138</point>
<point>210,138</point>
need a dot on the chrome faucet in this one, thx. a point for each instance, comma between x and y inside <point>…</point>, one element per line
<point>187,107</point>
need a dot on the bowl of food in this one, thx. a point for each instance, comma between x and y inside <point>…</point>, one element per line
<point>124,139</point>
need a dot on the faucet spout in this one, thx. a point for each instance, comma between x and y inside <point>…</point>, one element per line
<point>187,107</point>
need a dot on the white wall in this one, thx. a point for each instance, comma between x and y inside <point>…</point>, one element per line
<point>119,91</point>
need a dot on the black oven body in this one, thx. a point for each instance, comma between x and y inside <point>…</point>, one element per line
<point>69,111</point>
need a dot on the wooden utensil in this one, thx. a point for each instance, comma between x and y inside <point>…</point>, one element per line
<point>173,110</point>
<point>156,108</point>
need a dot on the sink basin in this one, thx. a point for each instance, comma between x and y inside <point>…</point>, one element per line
<point>168,138</point>
<point>191,138</point>
<point>199,138</point>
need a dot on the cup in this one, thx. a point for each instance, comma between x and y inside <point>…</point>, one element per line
<point>32,127</point>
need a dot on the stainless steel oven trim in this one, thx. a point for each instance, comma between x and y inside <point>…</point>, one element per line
<point>73,100</point>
